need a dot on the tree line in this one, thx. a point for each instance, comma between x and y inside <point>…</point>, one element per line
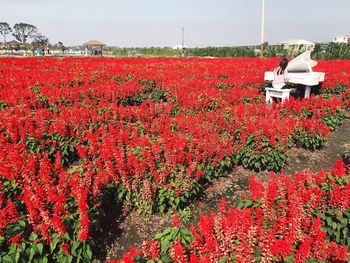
<point>320,51</point>
<point>22,32</point>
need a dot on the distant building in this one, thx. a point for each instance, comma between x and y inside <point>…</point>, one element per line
<point>179,47</point>
<point>297,45</point>
<point>13,44</point>
<point>342,39</point>
<point>95,46</point>
<point>296,42</point>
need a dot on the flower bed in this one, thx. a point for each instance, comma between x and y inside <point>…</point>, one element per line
<point>148,132</point>
<point>305,219</point>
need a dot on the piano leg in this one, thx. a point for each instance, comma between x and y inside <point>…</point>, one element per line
<point>268,98</point>
<point>307,92</point>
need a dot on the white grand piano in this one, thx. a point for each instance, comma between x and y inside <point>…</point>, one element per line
<point>299,71</point>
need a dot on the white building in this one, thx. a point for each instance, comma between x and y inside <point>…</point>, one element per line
<point>297,45</point>
<point>342,39</point>
<point>296,42</point>
<point>179,47</point>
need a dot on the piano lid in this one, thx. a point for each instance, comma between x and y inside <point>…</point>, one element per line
<point>302,63</point>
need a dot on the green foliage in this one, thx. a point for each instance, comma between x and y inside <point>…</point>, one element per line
<point>336,221</point>
<point>34,250</point>
<point>221,169</point>
<point>248,203</point>
<point>27,245</point>
<point>185,214</point>
<point>307,113</point>
<point>159,95</point>
<point>170,235</point>
<point>222,52</point>
<point>309,141</point>
<point>5,29</point>
<point>3,105</point>
<point>334,120</point>
<point>261,156</point>
<point>150,92</point>
<point>320,51</point>
<point>146,52</point>
<point>335,51</point>
<point>337,225</point>
<point>337,90</point>
<point>54,143</point>
<point>275,51</point>
<point>175,195</point>
<point>23,31</point>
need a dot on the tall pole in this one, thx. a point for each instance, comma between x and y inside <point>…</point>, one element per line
<point>262,26</point>
<point>183,42</point>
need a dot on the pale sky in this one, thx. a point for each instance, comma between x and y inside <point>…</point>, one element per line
<point>146,23</point>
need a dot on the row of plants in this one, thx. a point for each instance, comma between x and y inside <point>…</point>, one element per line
<point>151,132</point>
<point>305,219</point>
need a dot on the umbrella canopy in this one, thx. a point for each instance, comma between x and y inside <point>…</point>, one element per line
<point>95,43</point>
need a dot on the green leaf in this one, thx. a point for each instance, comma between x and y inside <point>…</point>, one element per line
<point>248,203</point>
<point>175,233</point>
<point>346,232</point>
<point>75,245</point>
<point>18,254</point>
<point>158,236</point>
<point>54,244</point>
<point>31,253</point>
<point>290,259</point>
<point>164,233</point>
<point>7,259</point>
<point>165,245</point>
<point>13,248</point>
<point>39,248</point>
<point>89,253</point>
<point>161,208</point>
<point>329,221</point>
<point>33,236</point>
<point>22,223</point>
<point>186,232</point>
<point>223,259</point>
<point>257,165</point>
<point>120,195</point>
<point>334,225</point>
<point>166,258</point>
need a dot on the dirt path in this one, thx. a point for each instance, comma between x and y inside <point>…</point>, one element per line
<point>134,229</point>
<point>324,158</point>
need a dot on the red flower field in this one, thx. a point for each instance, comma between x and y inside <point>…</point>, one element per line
<point>150,131</point>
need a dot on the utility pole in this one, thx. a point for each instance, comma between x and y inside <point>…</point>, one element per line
<point>262,27</point>
<point>183,42</point>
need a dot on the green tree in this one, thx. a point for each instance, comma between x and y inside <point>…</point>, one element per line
<point>40,41</point>
<point>61,46</point>
<point>317,52</point>
<point>5,29</point>
<point>23,31</point>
